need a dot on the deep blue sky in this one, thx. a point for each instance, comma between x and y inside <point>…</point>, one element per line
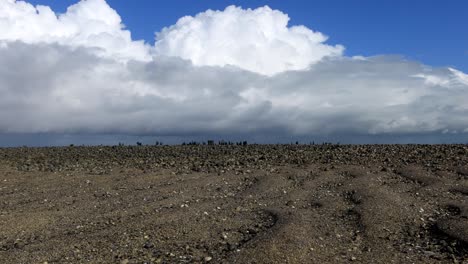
<point>429,31</point>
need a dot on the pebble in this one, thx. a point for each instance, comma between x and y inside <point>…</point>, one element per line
<point>208,258</point>
<point>429,253</point>
<point>148,245</point>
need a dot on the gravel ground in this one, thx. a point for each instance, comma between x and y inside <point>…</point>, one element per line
<point>235,204</point>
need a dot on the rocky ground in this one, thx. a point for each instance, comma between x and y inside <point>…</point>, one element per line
<point>235,204</point>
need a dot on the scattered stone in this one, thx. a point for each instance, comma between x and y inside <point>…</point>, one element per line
<point>251,196</point>
<point>148,245</point>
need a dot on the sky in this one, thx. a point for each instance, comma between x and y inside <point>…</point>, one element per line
<point>351,71</point>
<point>432,32</point>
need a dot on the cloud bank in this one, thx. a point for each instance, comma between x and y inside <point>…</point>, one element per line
<point>232,71</point>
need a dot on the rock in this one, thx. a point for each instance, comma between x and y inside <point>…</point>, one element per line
<point>19,244</point>
<point>208,258</point>
<point>148,245</point>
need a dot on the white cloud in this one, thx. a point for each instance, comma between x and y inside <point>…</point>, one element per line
<point>460,76</point>
<point>257,40</point>
<point>89,23</point>
<point>452,78</point>
<point>67,85</point>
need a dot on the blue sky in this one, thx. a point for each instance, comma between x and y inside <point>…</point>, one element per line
<point>432,32</point>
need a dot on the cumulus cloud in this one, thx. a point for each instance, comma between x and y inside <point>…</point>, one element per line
<point>64,81</point>
<point>89,23</point>
<point>257,40</point>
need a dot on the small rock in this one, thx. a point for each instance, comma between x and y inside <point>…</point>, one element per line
<point>19,244</point>
<point>148,245</point>
<point>208,258</point>
<point>125,261</point>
